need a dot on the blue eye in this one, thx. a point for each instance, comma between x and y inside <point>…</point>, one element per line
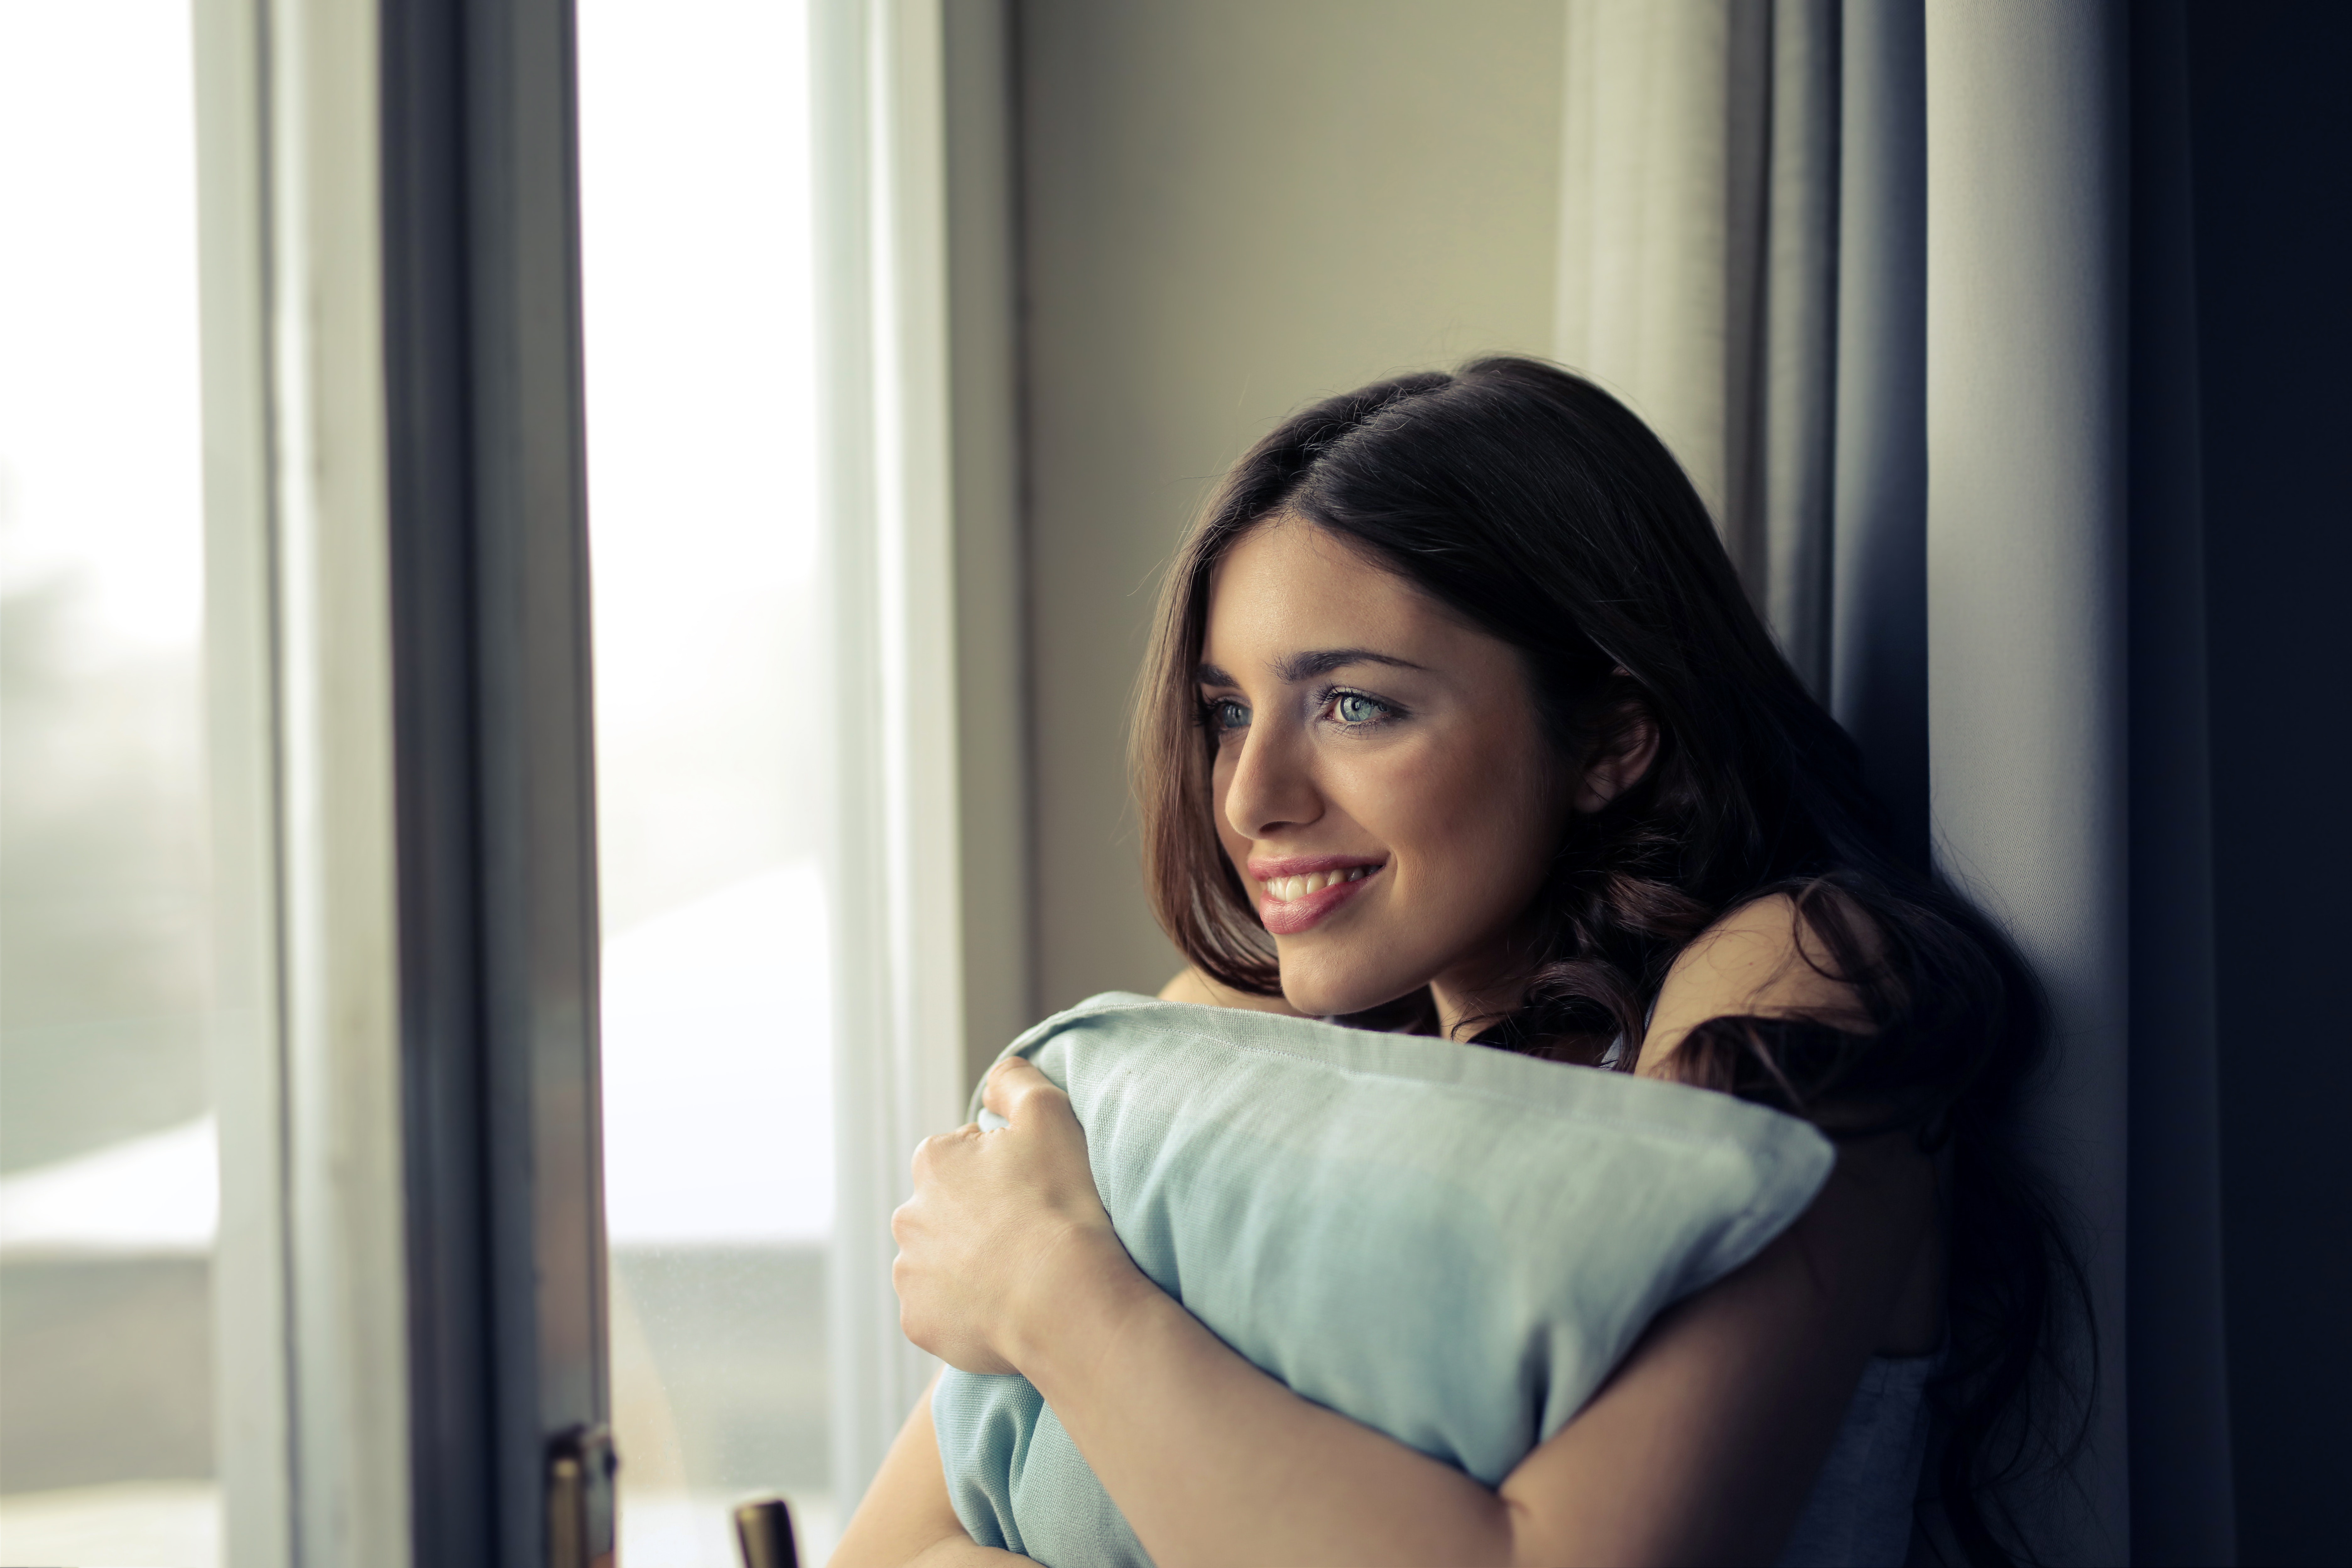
<point>1355,707</point>
<point>1223,713</point>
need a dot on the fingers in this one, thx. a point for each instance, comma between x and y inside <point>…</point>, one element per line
<point>932,1149</point>
<point>1011,1082</point>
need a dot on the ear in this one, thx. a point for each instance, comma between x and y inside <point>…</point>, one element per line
<point>1620,761</point>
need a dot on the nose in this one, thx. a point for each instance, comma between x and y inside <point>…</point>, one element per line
<point>1272,785</point>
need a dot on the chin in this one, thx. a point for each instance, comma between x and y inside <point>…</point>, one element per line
<point>1326,989</point>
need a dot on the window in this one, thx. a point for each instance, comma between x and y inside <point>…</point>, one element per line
<point>108,1192</point>
<point>763,193</point>
<point>715,757</point>
<point>301,1259</point>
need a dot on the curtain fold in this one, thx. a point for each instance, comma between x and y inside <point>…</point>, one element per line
<point>1878,573</point>
<point>1650,269</point>
<point>1698,266</point>
<point>2026,275</point>
<point>2182,1507</point>
<point>1864,266</point>
<point>1784,528</point>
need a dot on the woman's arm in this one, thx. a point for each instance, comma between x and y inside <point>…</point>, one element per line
<point>905,1518</point>
<point>1700,1449</point>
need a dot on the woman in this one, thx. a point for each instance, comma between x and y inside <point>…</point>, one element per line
<point>1456,706</point>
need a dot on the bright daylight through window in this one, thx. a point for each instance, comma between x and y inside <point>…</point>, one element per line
<point>108,1193</point>
<point>712,747</point>
<point>716,746</point>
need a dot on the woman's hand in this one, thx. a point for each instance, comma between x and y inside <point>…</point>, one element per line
<point>1004,1228</point>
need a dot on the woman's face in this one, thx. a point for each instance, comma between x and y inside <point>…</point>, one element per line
<point>1381,781</point>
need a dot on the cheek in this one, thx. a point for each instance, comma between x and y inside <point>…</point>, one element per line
<point>1471,823</point>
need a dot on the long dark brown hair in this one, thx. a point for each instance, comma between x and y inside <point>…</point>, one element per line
<point>1534,504</point>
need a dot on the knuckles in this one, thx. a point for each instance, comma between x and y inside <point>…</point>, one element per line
<point>939,1146</point>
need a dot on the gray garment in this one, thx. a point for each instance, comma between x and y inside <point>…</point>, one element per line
<point>1860,1513</point>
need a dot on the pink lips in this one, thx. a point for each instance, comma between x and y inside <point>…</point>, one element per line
<point>1289,917</point>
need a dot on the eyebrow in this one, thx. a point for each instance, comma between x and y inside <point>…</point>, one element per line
<point>1300,667</point>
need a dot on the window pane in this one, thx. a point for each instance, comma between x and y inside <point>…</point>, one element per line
<point>106,1184</point>
<point>711,745</point>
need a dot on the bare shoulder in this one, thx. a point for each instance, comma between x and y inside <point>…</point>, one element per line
<point>1193,987</point>
<point>1762,959</point>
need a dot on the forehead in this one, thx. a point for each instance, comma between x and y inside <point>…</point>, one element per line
<point>1289,585</point>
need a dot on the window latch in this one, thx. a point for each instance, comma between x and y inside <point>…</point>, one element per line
<point>579,1466</point>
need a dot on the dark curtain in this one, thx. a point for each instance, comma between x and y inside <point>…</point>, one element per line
<point>2010,339</point>
<point>2242,728</point>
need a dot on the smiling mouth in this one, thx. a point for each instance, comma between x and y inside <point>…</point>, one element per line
<point>1294,903</point>
<point>1290,890</point>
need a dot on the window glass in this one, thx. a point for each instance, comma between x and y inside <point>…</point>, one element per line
<point>107,1190</point>
<point>711,750</point>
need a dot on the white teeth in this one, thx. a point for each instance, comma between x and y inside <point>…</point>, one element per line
<point>1290,890</point>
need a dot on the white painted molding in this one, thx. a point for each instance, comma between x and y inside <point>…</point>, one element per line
<point>914,530</point>
<point>313,1332</point>
<point>252,1372</point>
<point>895,870</point>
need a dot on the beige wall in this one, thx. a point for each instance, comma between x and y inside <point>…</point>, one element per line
<point>1231,208</point>
<point>992,733</point>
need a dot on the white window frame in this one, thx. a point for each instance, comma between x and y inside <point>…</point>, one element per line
<point>310,1363</point>
<point>411,1345</point>
<point>896,870</point>
<point>409,1270</point>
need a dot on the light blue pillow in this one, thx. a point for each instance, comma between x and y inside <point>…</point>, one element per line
<point>1450,1244</point>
